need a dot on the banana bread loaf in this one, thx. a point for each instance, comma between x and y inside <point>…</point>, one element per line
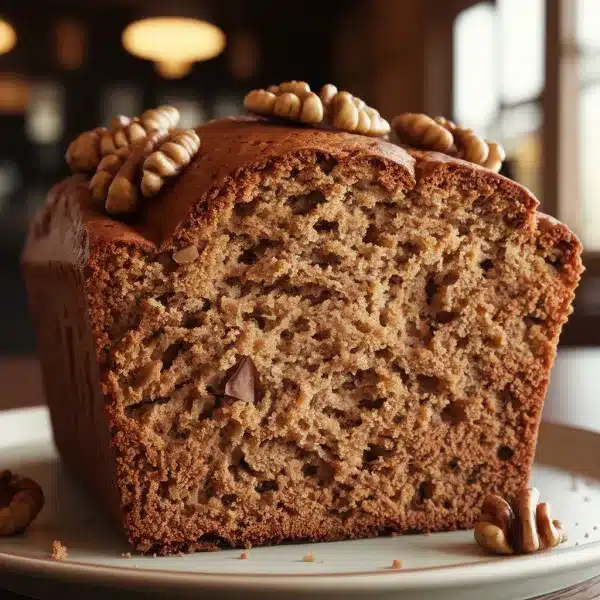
<point>310,335</point>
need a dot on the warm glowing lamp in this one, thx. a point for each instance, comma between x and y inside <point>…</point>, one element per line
<point>173,43</point>
<point>8,37</point>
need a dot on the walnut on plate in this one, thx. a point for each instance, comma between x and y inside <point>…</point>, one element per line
<point>522,528</point>
<point>24,499</point>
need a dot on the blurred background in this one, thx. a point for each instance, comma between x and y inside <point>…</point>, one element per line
<point>525,72</point>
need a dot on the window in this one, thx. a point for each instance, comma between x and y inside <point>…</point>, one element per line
<point>520,49</point>
<point>475,93</point>
<point>587,17</point>
<point>549,46</point>
<point>496,92</point>
<point>589,142</point>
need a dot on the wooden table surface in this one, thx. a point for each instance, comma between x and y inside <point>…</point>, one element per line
<point>572,400</point>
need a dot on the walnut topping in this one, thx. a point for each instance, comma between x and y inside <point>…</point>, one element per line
<point>521,528</point>
<point>472,147</point>
<point>105,173</point>
<point>118,156</point>
<point>87,150</point>
<point>475,149</point>
<point>83,153</point>
<point>442,135</point>
<point>122,137</point>
<point>327,93</point>
<point>119,121</point>
<point>123,196</point>
<point>446,123</point>
<point>294,101</point>
<point>260,102</point>
<point>422,131</point>
<point>496,156</point>
<point>163,117</point>
<point>169,160</point>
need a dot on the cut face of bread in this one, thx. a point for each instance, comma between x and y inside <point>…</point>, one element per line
<point>360,344</point>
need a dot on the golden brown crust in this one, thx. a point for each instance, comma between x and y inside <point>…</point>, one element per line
<point>250,144</point>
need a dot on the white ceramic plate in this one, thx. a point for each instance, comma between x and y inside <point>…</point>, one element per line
<point>442,565</point>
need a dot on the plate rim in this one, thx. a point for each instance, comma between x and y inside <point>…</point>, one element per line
<point>506,569</point>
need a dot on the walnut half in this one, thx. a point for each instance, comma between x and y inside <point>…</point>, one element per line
<point>522,528</point>
<point>294,101</point>
<point>442,135</point>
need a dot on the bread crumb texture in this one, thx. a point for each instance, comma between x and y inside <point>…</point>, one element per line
<point>59,551</point>
<point>402,326</point>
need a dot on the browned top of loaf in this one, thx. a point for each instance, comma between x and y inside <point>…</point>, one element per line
<point>237,146</point>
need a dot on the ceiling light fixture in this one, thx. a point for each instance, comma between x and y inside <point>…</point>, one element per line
<point>8,37</point>
<point>174,44</point>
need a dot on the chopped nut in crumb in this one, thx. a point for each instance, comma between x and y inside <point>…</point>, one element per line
<point>244,556</point>
<point>186,255</point>
<point>310,557</point>
<point>59,551</point>
<point>396,564</point>
<point>126,555</point>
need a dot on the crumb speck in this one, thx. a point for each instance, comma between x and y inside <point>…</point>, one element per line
<point>586,498</point>
<point>59,551</point>
<point>576,524</point>
<point>154,555</point>
<point>586,536</point>
<point>126,555</point>
<point>244,556</point>
<point>396,564</point>
<point>310,557</point>
<point>577,543</point>
<point>181,554</point>
<point>595,527</point>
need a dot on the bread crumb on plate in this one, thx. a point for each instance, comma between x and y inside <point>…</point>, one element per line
<point>59,551</point>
